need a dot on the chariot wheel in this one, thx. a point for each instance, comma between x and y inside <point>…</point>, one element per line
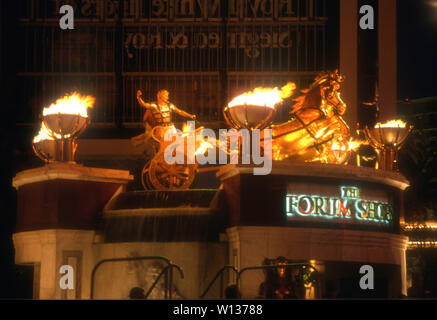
<point>171,176</point>
<point>159,175</point>
<point>145,180</point>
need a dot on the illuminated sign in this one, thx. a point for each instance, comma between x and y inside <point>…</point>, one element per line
<point>349,208</point>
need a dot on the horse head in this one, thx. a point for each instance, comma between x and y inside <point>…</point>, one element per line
<point>323,93</point>
<point>328,85</point>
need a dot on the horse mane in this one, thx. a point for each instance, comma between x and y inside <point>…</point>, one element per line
<point>310,97</point>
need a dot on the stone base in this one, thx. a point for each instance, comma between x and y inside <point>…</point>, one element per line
<point>64,196</point>
<point>249,246</point>
<point>48,250</point>
<point>200,261</point>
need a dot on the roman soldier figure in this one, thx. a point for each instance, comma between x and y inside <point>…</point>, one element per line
<point>159,113</point>
<point>157,118</point>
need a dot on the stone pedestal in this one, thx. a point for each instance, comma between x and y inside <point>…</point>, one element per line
<point>261,229</point>
<point>64,196</point>
<point>250,245</point>
<point>58,206</point>
<point>48,250</point>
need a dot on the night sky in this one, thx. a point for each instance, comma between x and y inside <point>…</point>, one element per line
<point>417,72</point>
<point>417,48</point>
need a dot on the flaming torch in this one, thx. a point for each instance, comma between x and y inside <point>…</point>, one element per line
<point>254,110</point>
<point>388,139</point>
<point>62,123</point>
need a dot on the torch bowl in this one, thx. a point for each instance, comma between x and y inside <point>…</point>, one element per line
<point>248,116</point>
<point>45,150</point>
<point>387,136</point>
<point>55,150</point>
<point>65,125</point>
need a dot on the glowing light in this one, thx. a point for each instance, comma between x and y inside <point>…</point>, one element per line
<point>419,226</point>
<point>391,124</point>
<point>338,147</point>
<point>71,104</point>
<point>347,207</point>
<point>264,96</point>
<point>43,134</point>
<point>204,147</point>
<point>355,144</point>
<point>422,244</point>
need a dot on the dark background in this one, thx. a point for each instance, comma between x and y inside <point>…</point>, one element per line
<point>417,47</point>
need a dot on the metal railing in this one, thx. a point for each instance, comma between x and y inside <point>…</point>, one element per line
<point>261,267</point>
<point>219,274</point>
<point>276,266</point>
<point>101,262</point>
<point>168,283</point>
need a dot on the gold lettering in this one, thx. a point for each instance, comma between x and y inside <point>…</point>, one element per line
<point>200,40</point>
<point>242,42</point>
<point>254,5</point>
<point>110,8</point>
<point>265,40</point>
<point>287,4</point>
<point>158,8</point>
<point>232,7</point>
<point>252,51</point>
<point>184,5</point>
<point>139,41</point>
<point>203,6</point>
<point>155,38</point>
<point>127,45</point>
<point>214,10</point>
<point>133,8</point>
<point>214,40</point>
<point>282,39</point>
<point>86,8</point>
<point>275,40</point>
<point>178,40</point>
<point>267,7</point>
<point>232,40</point>
<point>252,38</point>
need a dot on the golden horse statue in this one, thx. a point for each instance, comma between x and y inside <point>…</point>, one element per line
<point>316,130</point>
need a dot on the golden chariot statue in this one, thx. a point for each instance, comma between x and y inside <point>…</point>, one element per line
<point>315,130</point>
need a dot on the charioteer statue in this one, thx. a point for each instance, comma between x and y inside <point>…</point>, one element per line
<point>158,117</point>
<point>157,174</point>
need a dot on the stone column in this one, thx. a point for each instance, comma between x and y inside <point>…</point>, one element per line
<point>48,248</point>
<point>387,43</point>
<point>57,211</point>
<point>349,59</point>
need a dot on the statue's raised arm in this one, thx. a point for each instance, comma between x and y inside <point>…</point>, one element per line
<point>141,101</point>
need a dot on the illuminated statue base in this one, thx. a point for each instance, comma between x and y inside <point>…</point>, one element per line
<point>332,217</point>
<point>338,217</point>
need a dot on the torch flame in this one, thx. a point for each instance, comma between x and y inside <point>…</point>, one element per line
<point>71,104</point>
<point>204,147</point>
<point>264,96</point>
<point>42,134</point>
<point>351,145</point>
<point>355,144</point>
<point>338,146</point>
<point>391,124</point>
